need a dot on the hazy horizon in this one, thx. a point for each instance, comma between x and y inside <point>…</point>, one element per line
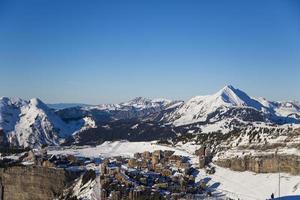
<point>147,97</point>
<point>110,51</point>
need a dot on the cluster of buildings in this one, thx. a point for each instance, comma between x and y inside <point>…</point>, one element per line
<point>147,175</point>
<point>156,175</point>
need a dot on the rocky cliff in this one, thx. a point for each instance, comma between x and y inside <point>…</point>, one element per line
<point>33,182</point>
<point>263,164</point>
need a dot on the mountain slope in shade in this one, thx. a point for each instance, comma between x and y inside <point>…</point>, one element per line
<point>137,108</point>
<point>138,103</point>
<point>10,109</point>
<point>60,106</point>
<point>210,108</point>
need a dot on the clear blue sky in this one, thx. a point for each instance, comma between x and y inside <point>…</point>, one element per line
<point>110,51</point>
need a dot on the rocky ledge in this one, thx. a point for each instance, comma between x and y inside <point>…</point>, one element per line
<point>263,163</point>
<point>33,182</point>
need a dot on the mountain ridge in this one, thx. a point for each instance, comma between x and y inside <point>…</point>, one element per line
<point>33,123</point>
<point>198,108</point>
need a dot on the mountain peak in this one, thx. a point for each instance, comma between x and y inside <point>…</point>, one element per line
<point>137,100</point>
<point>228,87</point>
<point>35,101</point>
<point>236,97</point>
<point>230,95</point>
<point>38,103</point>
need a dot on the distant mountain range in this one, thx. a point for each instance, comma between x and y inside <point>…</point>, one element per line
<point>60,106</point>
<point>33,123</point>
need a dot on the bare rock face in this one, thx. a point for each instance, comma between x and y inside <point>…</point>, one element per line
<point>33,182</point>
<point>263,164</point>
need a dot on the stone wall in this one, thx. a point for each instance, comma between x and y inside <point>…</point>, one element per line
<point>263,164</point>
<point>33,182</point>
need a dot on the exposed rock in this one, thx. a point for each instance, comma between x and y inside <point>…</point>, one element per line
<point>263,164</point>
<point>33,183</point>
<point>48,164</point>
<point>30,156</point>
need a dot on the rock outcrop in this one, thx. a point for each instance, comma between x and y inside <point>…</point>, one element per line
<point>33,182</point>
<point>263,164</point>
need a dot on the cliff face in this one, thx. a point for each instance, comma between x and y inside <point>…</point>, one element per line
<point>261,150</point>
<point>263,164</point>
<point>33,183</point>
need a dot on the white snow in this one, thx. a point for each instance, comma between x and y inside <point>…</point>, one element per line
<point>198,108</point>
<point>86,191</point>
<point>110,149</point>
<point>37,124</point>
<point>250,185</point>
<point>138,103</point>
<point>31,123</point>
<point>9,112</point>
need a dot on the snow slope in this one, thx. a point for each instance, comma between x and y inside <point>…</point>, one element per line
<point>110,149</point>
<point>31,123</point>
<point>203,108</point>
<point>10,109</point>
<point>138,103</point>
<point>36,125</point>
<point>250,185</point>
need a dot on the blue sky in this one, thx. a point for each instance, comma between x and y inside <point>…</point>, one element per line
<point>111,51</point>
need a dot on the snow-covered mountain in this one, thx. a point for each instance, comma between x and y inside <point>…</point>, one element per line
<point>33,123</point>
<point>231,103</point>
<point>138,104</point>
<point>137,108</point>
<point>30,123</point>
